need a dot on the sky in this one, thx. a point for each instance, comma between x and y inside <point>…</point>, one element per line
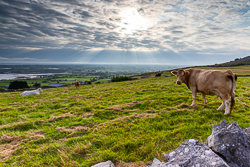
<point>171,32</point>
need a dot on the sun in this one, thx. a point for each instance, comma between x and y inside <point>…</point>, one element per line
<point>132,21</point>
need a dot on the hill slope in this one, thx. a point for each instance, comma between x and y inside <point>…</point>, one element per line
<point>236,62</point>
<point>129,122</point>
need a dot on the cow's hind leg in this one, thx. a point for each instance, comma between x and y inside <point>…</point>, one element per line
<point>222,106</point>
<point>204,97</point>
<point>227,103</point>
<point>227,110</point>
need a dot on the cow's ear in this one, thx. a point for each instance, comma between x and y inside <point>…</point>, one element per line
<point>174,72</point>
<point>186,72</point>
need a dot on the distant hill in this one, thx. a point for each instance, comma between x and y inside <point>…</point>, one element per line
<point>236,62</point>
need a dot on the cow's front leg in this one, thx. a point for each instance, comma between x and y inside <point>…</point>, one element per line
<point>194,92</point>
<point>204,97</point>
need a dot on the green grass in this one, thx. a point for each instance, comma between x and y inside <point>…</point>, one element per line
<point>132,121</point>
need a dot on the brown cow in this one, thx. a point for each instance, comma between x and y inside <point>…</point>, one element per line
<point>77,83</point>
<point>221,83</point>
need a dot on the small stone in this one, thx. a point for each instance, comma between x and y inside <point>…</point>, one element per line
<point>104,164</point>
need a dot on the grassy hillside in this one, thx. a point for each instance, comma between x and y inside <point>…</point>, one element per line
<point>129,123</point>
<point>235,62</point>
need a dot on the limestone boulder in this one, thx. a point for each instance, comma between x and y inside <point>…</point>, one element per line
<point>231,142</point>
<point>191,153</point>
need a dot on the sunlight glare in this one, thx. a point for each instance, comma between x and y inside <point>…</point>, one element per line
<point>132,21</point>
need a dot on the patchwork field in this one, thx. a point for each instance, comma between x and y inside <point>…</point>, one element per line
<point>129,123</point>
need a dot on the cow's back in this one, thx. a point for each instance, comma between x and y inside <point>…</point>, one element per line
<point>211,81</point>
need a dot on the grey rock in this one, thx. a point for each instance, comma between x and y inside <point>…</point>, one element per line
<point>157,163</point>
<point>248,130</point>
<point>104,164</point>
<point>192,153</point>
<point>231,142</point>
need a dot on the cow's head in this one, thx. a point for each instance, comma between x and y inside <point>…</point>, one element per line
<point>181,75</point>
<point>40,90</point>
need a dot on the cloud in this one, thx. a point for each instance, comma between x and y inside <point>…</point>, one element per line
<point>125,25</point>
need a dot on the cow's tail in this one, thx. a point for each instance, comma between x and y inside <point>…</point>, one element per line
<point>234,80</point>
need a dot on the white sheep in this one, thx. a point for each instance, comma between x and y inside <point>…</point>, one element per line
<point>33,92</point>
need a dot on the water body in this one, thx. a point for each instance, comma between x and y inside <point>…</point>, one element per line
<point>14,76</point>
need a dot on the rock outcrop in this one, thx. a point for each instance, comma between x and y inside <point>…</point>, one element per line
<point>231,142</point>
<point>227,146</point>
<point>191,153</point>
<point>194,153</point>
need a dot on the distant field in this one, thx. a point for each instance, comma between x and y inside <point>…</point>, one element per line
<point>65,80</point>
<point>129,123</point>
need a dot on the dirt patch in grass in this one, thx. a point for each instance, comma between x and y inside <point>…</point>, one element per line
<point>119,107</point>
<point>150,111</point>
<point>88,115</point>
<point>143,115</point>
<point>16,103</point>
<point>215,102</point>
<point>60,116</point>
<point>74,129</point>
<point>99,97</point>
<point>178,109</point>
<point>78,96</point>
<point>54,99</point>
<point>16,124</point>
<point>184,105</point>
<point>133,110</point>
<point>245,105</point>
<point>36,134</point>
<point>126,118</point>
<point>144,90</point>
<point>6,150</point>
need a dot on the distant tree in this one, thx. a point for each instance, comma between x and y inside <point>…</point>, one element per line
<point>88,82</point>
<point>121,78</point>
<point>37,85</point>
<point>18,85</point>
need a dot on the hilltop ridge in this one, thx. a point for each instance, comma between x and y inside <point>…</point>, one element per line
<point>235,62</point>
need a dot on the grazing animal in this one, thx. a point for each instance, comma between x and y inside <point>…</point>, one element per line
<point>157,74</point>
<point>33,92</point>
<point>77,84</point>
<point>221,83</point>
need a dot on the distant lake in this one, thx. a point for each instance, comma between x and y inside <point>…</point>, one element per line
<point>53,68</point>
<point>13,76</point>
